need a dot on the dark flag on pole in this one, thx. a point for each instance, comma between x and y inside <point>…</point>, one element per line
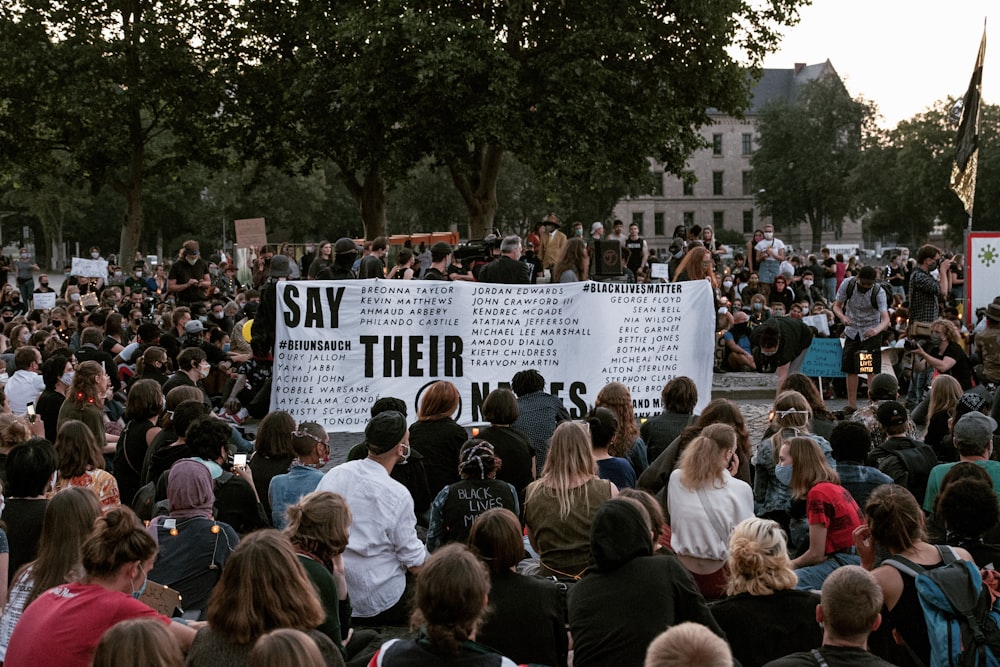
<point>963,174</point>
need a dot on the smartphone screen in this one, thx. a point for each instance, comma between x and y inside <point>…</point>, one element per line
<point>31,411</point>
<point>240,460</point>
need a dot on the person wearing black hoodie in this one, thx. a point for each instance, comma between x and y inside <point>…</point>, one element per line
<point>629,596</point>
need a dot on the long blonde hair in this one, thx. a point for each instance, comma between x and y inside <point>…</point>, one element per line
<point>809,466</point>
<point>699,462</point>
<point>791,411</point>
<point>569,460</point>
<point>945,394</point>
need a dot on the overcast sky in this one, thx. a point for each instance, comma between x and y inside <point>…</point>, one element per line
<point>902,55</point>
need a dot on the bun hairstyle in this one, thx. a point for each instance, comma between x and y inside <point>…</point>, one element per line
<point>758,559</point>
<point>603,425</point>
<point>119,538</point>
<point>319,523</point>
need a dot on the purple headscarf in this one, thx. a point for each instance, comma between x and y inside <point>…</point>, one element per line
<point>189,490</point>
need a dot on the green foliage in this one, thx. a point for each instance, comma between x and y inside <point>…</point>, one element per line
<point>807,152</point>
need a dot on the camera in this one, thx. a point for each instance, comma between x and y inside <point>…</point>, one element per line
<point>909,345</point>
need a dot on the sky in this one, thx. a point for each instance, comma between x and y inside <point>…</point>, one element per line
<point>902,55</point>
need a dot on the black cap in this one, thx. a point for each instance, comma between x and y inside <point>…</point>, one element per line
<point>385,431</point>
<point>891,413</point>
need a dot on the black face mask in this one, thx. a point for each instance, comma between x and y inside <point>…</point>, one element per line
<point>44,284</point>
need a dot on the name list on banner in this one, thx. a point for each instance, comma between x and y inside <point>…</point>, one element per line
<point>342,345</point>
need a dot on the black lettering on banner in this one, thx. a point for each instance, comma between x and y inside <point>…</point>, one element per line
<point>444,357</point>
<point>315,310</point>
<point>480,390</point>
<point>577,390</point>
<point>292,312</point>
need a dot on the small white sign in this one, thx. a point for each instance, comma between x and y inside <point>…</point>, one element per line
<point>44,300</point>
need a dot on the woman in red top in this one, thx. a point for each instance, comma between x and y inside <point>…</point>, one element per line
<point>831,511</point>
<point>64,624</point>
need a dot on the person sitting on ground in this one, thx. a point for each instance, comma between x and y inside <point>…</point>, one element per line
<point>603,424</point>
<point>538,412</point>
<point>172,447</point>
<point>457,505</point>
<point>851,443</point>
<point>273,452</point>
<point>311,444</point>
<point>194,546</point>
<point>30,467</point>
<point>883,387</point>
<point>81,464</point>
<point>706,501</point>
<point>762,587</point>
<point>973,438</point>
<point>449,605</point>
<point>678,398</point>
<point>947,405</point>
<point>628,595</point>
<point>849,610</point>
<point>688,644</point>
<point>968,509</point>
<point>627,442</point>
<point>138,641</point>
<point>528,619</point>
<point>907,461</point>
<point>512,446</point>
<point>560,505</point>
<point>822,421</point>
<point>436,434</point>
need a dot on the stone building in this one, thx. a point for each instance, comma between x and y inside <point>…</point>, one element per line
<point>719,189</point>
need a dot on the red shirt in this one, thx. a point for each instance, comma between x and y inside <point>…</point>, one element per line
<point>64,625</point>
<point>832,506</point>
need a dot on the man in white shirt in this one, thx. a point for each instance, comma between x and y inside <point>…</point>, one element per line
<point>383,547</point>
<point>27,383</point>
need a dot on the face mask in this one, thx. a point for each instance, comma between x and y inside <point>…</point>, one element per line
<point>935,340</point>
<point>784,474</point>
<point>309,248</point>
<point>758,306</point>
<point>3,502</point>
<point>203,371</point>
<point>219,315</point>
<point>137,593</point>
<point>26,336</point>
<point>67,378</point>
<point>138,274</point>
<point>24,258</point>
<point>191,259</point>
<point>56,323</point>
<point>118,274</point>
<point>45,284</point>
<point>578,232</point>
<point>807,283</point>
<point>95,255</point>
<point>768,354</point>
<point>406,456</point>
<point>74,297</point>
<point>727,284</point>
<point>225,348</point>
<point>768,236</point>
<point>4,376</point>
<point>214,272</point>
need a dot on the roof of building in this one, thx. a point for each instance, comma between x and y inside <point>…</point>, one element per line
<point>783,84</point>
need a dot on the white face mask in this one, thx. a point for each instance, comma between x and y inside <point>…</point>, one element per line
<point>95,255</point>
<point>768,235</point>
<point>727,283</point>
<point>203,370</point>
<point>807,283</point>
<point>67,378</point>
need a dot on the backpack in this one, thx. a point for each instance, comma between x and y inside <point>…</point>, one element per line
<point>958,609</point>
<point>852,283</point>
<point>909,466</point>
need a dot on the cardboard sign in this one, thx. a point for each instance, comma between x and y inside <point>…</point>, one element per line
<point>659,270</point>
<point>90,268</point>
<point>823,358</point>
<point>44,300</point>
<point>162,599</point>
<point>251,233</point>
<point>340,345</point>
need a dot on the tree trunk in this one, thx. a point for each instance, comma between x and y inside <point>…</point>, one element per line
<point>816,225</point>
<point>478,186</point>
<point>369,195</point>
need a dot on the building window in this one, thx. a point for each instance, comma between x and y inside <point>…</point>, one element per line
<point>688,220</point>
<point>637,219</point>
<point>747,143</point>
<point>717,183</point>
<point>658,224</point>
<point>747,183</point>
<point>688,180</point>
<point>716,144</point>
<point>748,221</point>
<point>718,220</point>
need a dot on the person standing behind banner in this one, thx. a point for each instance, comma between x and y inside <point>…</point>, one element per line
<point>508,268</point>
<point>188,278</point>
<point>770,253</point>
<point>864,322</point>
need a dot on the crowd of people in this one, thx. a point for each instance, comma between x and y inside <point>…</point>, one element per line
<point>125,459</point>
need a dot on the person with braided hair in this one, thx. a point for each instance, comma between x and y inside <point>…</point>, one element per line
<point>457,505</point>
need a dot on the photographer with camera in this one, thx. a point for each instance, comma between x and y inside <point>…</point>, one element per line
<point>942,353</point>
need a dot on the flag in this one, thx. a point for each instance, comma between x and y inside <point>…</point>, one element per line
<point>963,173</point>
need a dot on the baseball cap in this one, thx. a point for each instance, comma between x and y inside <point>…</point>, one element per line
<point>883,387</point>
<point>891,413</point>
<point>343,246</point>
<point>973,428</point>
<point>194,326</point>
<point>597,225</point>
<point>384,431</point>
<point>440,250</point>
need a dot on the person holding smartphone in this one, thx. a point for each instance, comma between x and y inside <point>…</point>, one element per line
<point>706,501</point>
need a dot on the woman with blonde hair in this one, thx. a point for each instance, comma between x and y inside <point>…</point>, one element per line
<point>626,443</point>
<point>762,587</point>
<point>790,417</point>
<point>559,507</point>
<point>706,501</point>
<point>437,436</point>
<point>85,402</point>
<point>262,588</point>
<point>830,511</point>
<point>81,464</point>
<point>946,356</point>
<point>574,262</point>
<point>945,394</point>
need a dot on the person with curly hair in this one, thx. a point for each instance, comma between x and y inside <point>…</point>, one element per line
<point>627,442</point>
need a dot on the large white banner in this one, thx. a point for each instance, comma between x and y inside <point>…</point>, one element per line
<point>341,345</point>
<point>982,275</point>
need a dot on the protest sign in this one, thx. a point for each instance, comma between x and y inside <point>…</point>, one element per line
<point>823,358</point>
<point>89,268</point>
<point>251,233</point>
<point>982,274</point>
<point>44,300</point>
<point>341,345</point>
<point>659,270</point>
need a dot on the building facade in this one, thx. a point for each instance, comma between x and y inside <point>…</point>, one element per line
<point>717,189</point>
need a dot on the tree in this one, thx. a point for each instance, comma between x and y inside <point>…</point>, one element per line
<point>807,151</point>
<point>126,89</point>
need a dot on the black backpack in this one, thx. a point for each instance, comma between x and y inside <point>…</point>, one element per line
<point>852,283</point>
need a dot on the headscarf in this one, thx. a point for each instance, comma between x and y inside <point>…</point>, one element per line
<point>189,490</point>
